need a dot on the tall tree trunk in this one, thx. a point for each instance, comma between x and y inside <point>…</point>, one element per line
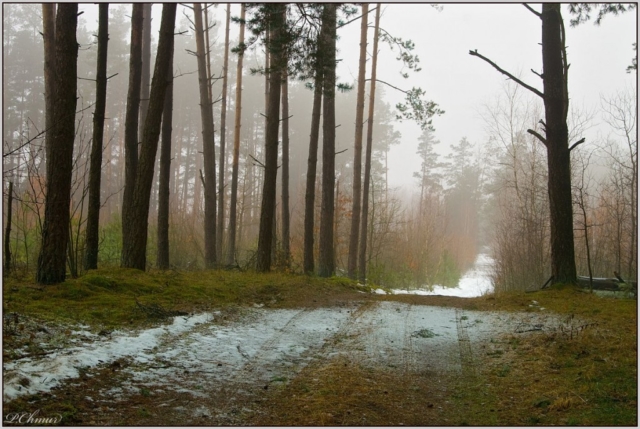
<point>236,146</point>
<point>49,38</point>
<point>310,194</point>
<point>362,257</point>
<point>146,67</point>
<point>223,134</point>
<point>286,223</point>
<point>162,260</point>
<point>326,257</point>
<point>267,211</point>
<point>7,232</point>
<point>357,148</point>
<point>55,231</point>
<point>131,120</point>
<point>135,246</point>
<point>556,106</point>
<point>208,145</point>
<point>208,50</point>
<point>95,169</point>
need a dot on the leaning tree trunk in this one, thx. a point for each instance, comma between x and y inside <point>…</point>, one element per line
<point>326,257</point>
<point>208,145</point>
<point>55,231</point>
<point>162,260</point>
<point>357,149</point>
<point>267,210</point>
<point>95,169</point>
<point>223,131</point>
<point>236,146</point>
<point>135,248</point>
<point>362,256</point>
<point>131,120</point>
<point>556,106</point>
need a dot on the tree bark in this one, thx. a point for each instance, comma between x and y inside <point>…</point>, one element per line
<point>357,149</point>
<point>223,137</point>
<point>326,259</point>
<point>236,146</point>
<point>49,37</point>
<point>135,246</point>
<point>95,169</point>
<point>556,103</point>
<point>286,251</point>
<point>131,120</point>
<point>55,231</point>
<point>362,257</point>
<point>267,211</point>
<point>7,232</point>
<point>146,68</point>
<point>310,194</point>
<point>208,145</point>
<point>162,260</point>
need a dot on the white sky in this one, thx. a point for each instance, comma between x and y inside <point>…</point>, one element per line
<point>508,34</point>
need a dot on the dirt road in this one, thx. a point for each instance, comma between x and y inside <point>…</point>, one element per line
<point>220,369</point>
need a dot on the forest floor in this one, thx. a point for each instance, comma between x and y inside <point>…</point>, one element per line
<point>335,355</point>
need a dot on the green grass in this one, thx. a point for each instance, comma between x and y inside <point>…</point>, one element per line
<point>107,297</point>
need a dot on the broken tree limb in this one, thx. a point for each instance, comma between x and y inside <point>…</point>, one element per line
<point>475,53</point>
<point>576,144</point>
<point>535,133</point>
<point>533,11</point>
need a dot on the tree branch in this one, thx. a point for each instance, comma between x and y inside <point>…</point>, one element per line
<point>506,73</point>
<point>576,144</point>
<point>257,162</point>
<point>388,84</point>
<point>533,11</point>
<point>535,133</point>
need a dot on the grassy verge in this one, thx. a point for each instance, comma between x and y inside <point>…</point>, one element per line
<point>106,298</point>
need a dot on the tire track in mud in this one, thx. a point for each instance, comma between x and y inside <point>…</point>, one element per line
<point>464,344</point>
<point>247,383</point>
<point>408,353</point>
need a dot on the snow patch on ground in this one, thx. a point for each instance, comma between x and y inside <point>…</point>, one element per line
<point>475,282</point>
<point>28,376</point>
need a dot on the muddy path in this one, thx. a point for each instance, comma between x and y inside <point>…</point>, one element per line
<point>217,369</point>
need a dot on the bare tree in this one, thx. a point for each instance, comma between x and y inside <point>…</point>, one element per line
<point>146,67</point>
<point>95,171</point>
<point>131,116</point>
<point>223,136</point>
<point>286,222</point>
<point>357,148</point>
<point>326,260</point>
<point>162,260</point>
<point>7,232</point>
<point>367,172</point>
<point>49,37</point>
<point>556,139</point>
<point>236,144</point>
<point>135,240</point>
<point>276,24</point>
<point>51,261</point>
<point>208,144</point>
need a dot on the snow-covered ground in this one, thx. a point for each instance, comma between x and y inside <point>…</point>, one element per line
<point>475,282</point>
